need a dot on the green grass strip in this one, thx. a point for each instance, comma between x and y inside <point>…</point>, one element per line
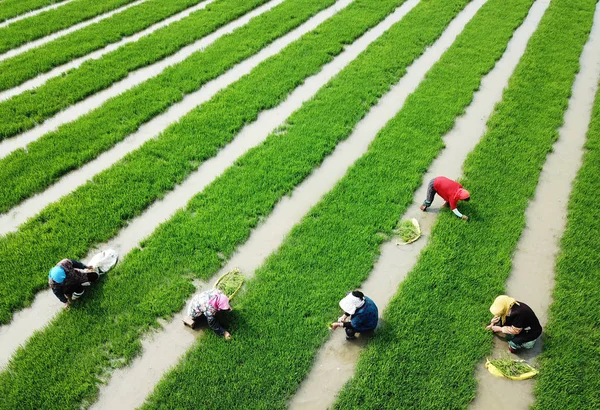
<point>568,376</point>
<point>16,70</point>
<point>108,325</point>
<point>26,110</point>
<point>27,172</point>
<point>434,334</point>
<point>286,310</point>
<point>79,220</point>
<point>13,8</point>
<point>51,21</point>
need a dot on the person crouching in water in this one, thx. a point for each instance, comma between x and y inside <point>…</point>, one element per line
<point>205,305</point>
<point>451,191</point>
<point>68,278</point>
<point>360,314</point>
<point>516,322</point>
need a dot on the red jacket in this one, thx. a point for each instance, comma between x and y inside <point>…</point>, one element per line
<point>449,190</point>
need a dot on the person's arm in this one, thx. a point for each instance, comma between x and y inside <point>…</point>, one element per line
<point>510,330</point>
<point>461,216</point>
<point>77,264</point>
<point>214,324</point>
<point>59,294</point>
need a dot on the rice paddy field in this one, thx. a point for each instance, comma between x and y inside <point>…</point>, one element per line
<point>294,140</point>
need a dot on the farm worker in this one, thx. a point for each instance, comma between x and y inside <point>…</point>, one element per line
<point>68,278</point>
<point>516,321</point>
<point>451,191</point>
<point>360,314</point>
<point>205,305</point>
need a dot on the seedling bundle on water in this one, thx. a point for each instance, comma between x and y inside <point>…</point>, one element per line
<point>511,369</point>
<point>408,230</point>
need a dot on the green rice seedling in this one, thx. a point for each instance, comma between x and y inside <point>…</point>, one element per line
<point>434,322</point>
<point>13,8</point>
<point>143,176</point>
<point>18,69</point>
<point>48,22</point>
<point>106,326</point>
<point>511,368</point>
<point>230,283</point>
<point>30,108</point>
<point>569,362</point>
<point>408,230</point>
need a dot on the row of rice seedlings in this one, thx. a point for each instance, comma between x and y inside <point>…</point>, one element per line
<point>139,179</point>
<point>27,172</point>
<point>30,108</point>
<point>18,69</point>
<point>13,8</point>
<point>286,308</point>
<point>107,324</point>
<point>51,21</point>
<point>434,333</point>
<point>569,364</point>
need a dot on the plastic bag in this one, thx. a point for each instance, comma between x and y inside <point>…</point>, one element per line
<point>104,260</point>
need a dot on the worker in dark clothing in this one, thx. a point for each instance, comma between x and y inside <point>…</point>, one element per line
<point>68,278</point>
<point>516,322</point>
<point>451,191</point>
<point>360,314</point>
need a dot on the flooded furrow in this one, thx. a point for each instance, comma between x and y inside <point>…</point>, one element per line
<point>531,279</point>
<point>32,13</point>
<point>336,361</point>
<point>133,79</point>
<point>62,33</point>
<point>55,72</point>
<point>128,385</point>
<point>41,311</point>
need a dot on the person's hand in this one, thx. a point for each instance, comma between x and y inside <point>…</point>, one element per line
<point>494,320</point>
<point>342,318</point>
<point>67,305</point>
<point>465,218</point>
<point>336,325</point>
<point>227,335</point>
<point>90,267</point>
<point>496,328</point>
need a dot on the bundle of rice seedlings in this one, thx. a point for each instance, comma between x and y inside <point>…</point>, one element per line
<point>230,283</point>
<point>408,230</point>
<point>511,369</point>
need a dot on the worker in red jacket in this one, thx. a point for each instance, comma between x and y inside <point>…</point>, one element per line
<point>450,190</point>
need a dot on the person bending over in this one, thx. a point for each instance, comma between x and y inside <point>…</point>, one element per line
<point>205,305</point>
<point>516,322</point>
<point>68,278</point>
<point>451,191</point>
<point>360,314</point>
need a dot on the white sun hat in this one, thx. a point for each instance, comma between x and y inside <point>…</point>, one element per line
<point>350,303</point>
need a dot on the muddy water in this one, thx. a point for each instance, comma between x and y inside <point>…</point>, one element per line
<point>62,33</point>
<point>25,323</point>
<point>133,78</point>
<point>33,13</point>
<point>161,211</point>
<point>42,78</point>
<point>332,369</point>
<point>532,277</point>
<point>10,221</point>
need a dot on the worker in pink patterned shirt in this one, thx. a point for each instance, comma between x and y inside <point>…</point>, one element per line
<point>451,191</point>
